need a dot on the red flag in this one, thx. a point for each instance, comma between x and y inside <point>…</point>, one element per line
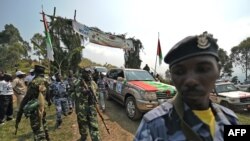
<point>159,51</point>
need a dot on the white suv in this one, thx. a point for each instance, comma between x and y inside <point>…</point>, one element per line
<point>230,96</point>
<point>101,69</point>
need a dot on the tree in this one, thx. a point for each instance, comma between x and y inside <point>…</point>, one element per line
<point>133,56</point>
<point>12,46</point>
<point>10,34</point>
<point>69,56</point>
<point>226,63</point>
<point>39,45</point>
<point>240,55</point>
<point>235,79</point>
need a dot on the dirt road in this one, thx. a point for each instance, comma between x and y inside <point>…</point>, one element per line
<point>120,126</point>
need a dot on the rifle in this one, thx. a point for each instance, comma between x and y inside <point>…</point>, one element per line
<point>18,119</point>
<point>16,130</point>
<point>94,101</point>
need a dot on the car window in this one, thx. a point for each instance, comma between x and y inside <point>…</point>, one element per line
<point>115,73</point>
<point>138,75</point>
<point>225,88</point>
<point>101,69</point>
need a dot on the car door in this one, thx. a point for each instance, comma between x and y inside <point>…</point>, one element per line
<point>119,86</point>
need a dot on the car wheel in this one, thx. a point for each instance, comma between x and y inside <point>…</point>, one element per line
<point>131,109</point>
<point>225,104</point>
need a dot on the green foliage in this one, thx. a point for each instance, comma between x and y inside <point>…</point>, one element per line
<point>133,55</point>
<point>88,63</point>
<point>240,55</point>
<point>10,34</point>
<point>39,45</point>
<point>235,79</point>
<point>109,66</point>
<point>12,47</point>
<point>226,63</point>
<point>67,57</point>
<point>243,118</point>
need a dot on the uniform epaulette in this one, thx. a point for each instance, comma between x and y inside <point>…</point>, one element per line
<point>158,111</point>
<point>226,111</point>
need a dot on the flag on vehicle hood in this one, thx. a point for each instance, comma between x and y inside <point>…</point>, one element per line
<point>154,86</point>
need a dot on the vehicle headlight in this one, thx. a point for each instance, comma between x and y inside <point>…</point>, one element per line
<point>148,95</point>
<point>234,100</point>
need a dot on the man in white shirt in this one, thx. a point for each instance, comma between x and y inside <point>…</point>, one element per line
<point>2,83</point>
<point>6,99</point>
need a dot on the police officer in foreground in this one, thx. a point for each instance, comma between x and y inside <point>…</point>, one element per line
<point>194,67</point>
<point>84,89</point>
<point>33,105</point>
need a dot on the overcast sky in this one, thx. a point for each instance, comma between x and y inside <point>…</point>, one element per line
<point>227,20</point>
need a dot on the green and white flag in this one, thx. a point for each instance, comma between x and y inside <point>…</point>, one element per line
<point>50,52</point>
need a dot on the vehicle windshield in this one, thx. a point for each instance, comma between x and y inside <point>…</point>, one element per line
<point>138,75</point>
<point>101,69</point>
<point>225,88</point>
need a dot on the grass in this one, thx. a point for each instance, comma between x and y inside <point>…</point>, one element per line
<point>244,118</point>
<point>68,132</point>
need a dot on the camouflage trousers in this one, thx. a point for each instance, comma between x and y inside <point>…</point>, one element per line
<point>40,130</point>
<point>71,103</point>
<point>87,120</point>
<point>62,107</point>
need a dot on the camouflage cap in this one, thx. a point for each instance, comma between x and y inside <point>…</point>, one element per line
<point>191,46</point>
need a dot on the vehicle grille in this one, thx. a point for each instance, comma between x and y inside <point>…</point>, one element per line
<point>163,95</point>
<point>245,100</point>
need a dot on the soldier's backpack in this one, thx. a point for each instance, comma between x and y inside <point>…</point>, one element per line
<point>30,107</point>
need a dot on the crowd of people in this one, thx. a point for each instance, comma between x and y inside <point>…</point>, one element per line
<point>66,93</point>
<point>190,115</point>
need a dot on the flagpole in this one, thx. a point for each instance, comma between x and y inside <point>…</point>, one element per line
<point>46,59</point>
<point>156,54</point>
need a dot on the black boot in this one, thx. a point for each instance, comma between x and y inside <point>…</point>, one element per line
<point>47,136</point>
<point>58,124</point>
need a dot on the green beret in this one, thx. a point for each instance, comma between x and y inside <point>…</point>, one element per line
<point>191,46</point>
<point>39,69</point>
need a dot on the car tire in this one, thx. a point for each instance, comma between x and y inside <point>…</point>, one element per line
<point>132,111</point>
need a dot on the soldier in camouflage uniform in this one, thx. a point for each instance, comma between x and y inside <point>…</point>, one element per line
<point>84,107</point>
<point>37,90</point>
